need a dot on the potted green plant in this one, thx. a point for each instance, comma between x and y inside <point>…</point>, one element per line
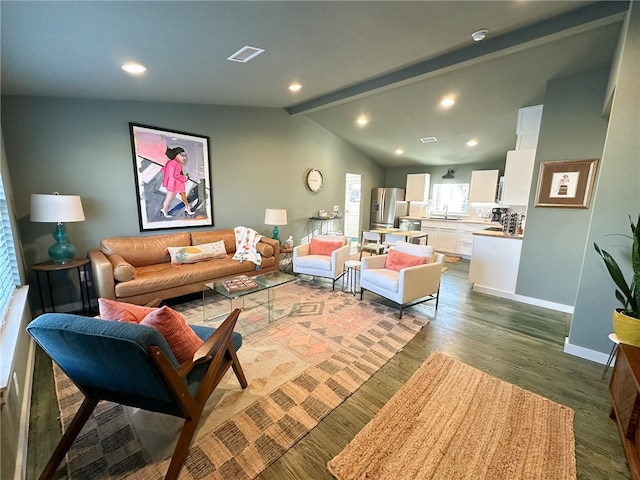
<point>626,320</point>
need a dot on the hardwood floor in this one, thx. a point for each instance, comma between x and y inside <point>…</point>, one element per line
<point>517,343</point>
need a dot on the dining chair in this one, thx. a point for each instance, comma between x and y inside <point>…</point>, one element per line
<point>390,240</point>
<point>371,242</point>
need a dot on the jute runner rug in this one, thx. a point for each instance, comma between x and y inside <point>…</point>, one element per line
<point>451,421</point>
<point>299,368</point>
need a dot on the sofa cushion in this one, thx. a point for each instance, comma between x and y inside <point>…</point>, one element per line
<point>156,278</point>
<point>197,253</point>
<point>182,341</point>
<point>210,236</point>
<point>122,311</point>
<point>321,247</point>
<point>141,251</point>
<point>382,277</point>
<point>264,249</point>
<point>123,271</point>
<point>320,262</point>
<point>398,260</point>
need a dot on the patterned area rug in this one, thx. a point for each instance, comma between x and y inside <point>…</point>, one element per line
<point>299,368</point>
<point>451,421</point>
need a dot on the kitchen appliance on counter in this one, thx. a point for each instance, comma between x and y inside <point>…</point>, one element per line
<point>512,223</point>
<point>497,214</point>
<point>387,206</point>
<point>407,224</point>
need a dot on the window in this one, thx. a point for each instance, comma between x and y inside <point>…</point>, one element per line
<point>9,276</point>
<point>450,198</point>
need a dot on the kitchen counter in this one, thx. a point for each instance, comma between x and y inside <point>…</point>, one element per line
<point>495,260</point>
<point>456,220</point>
<point>498,234</point>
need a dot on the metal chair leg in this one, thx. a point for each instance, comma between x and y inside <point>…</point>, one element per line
<point>614,349</point>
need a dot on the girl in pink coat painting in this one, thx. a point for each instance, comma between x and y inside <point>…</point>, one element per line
<point>174,180</point>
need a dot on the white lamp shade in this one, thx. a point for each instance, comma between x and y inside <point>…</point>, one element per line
<point>56,208</point>
<point>275,216</point>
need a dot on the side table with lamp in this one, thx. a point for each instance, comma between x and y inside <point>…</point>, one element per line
<point>275,217</point>
<point>56,208</point>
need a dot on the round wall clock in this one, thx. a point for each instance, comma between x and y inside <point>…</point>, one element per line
<point>315,180</point>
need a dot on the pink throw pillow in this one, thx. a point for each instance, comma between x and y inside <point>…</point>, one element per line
<point>320,247</point>
<point>121,311</point>
<point>182,341</point>
<point>398,260</point>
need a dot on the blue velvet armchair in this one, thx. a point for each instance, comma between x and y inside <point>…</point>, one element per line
<point>132,364</point>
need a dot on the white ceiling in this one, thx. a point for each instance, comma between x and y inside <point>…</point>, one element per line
<point>392,61</point>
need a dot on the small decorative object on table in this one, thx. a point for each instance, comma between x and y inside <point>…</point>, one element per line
<point>239,284</point>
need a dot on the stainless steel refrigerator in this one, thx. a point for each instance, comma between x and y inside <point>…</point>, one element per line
<point>387,206</point>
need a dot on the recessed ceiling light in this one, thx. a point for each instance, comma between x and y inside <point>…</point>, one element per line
<point>428,139</point>
<point>399,151</point>
<point>472,143</point>
<point>362,120</point>
<point>447,102</point>
<point>479,35</point>
<point>134,68</point>
<point>295,87</point>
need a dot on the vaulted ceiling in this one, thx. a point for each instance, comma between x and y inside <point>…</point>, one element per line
<point>391,61</point>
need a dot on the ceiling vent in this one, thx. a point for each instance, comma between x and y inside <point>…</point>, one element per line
<point>428,139</point>
<point>245,54</point>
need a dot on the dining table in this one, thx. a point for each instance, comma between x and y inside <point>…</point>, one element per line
<point>410,235</point>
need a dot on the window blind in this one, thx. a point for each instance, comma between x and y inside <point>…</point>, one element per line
<point>9,276</point>
<point>450,197</point>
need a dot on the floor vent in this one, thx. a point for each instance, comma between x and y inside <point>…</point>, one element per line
<point>428,139</point>
<point>245,54</point>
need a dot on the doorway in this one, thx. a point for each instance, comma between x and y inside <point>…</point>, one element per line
<point>352,200</point>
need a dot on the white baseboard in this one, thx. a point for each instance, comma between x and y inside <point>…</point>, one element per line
<point>522,299</point>
<point>25,415</point>
<point>586,353</point>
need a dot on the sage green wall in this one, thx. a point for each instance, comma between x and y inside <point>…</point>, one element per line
<point>617,196</point>
<point>258,159</point>
<point>397,177</point>
<point>572,128</point>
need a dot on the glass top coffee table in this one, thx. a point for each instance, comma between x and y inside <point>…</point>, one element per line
<point>264,283</point>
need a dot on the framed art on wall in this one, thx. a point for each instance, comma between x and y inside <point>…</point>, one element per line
<point>173,180</point>
<point>566,183</point>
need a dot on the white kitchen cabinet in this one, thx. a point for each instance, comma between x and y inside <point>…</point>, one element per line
<point>518,173</point>
<point>417,187</point>
<point>442,234</point>
<point>528,127</point>
<point>447,238</point>
<point>484,185</point>
<point>464,241</point>
<point>432,234</point>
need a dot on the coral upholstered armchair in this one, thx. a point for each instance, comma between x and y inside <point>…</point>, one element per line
<point>132,364</point>
<point>324,256</point>
<point>409,274</point>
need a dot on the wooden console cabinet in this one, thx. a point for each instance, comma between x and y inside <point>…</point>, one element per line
<point>625,409</point>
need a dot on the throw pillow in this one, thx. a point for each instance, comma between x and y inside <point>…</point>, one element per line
<point>197,253</point>
<point>123,271</point>
<point>121,311</point>
<point>320,247</point>
<point>182,341</point>
<point>398,260</point>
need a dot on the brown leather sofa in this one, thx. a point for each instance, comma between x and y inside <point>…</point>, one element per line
<point>138,269</point>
